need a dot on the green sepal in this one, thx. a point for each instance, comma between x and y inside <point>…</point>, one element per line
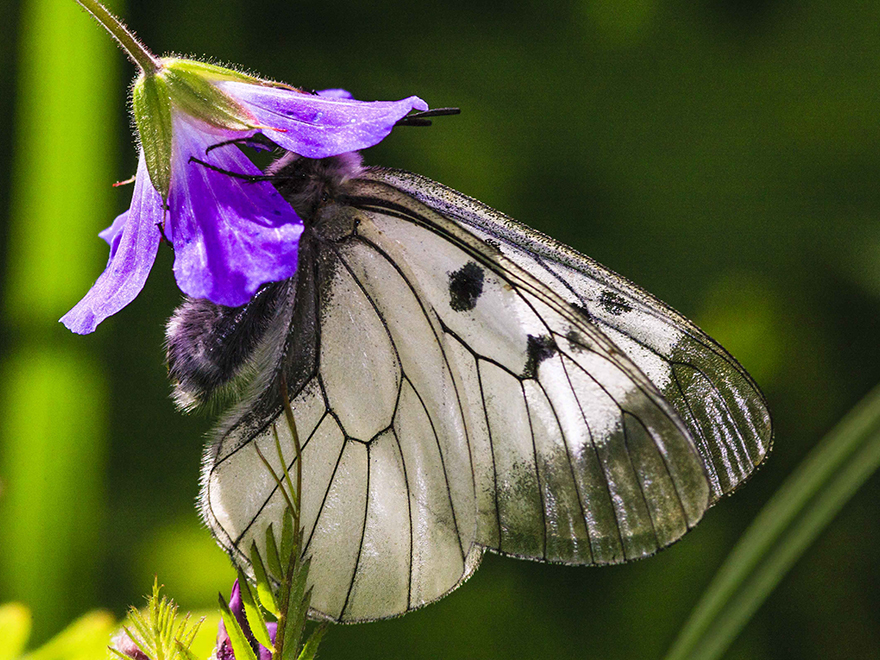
<point>195,94</point>
<point>152,115</point>
<point>240,646</point>
<point>265,594</point>
<point>253,611</point>
<point>211,71</point>
<point>15,622</point>
<point>311,646</point>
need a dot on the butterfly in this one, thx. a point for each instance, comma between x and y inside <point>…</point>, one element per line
<point>459,383</point>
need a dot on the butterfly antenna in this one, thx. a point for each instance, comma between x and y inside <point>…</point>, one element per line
<point>257,141</point>
<point>250,178</point>
<point>424,118</point>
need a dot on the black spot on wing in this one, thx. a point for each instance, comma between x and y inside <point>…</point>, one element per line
<point>539,349</point>
<point>614,303</point>
<point>575,341</point>
<point>465,286</point>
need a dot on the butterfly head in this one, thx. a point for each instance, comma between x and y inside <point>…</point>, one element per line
<point>307,182</point>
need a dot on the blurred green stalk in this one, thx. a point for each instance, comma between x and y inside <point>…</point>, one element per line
<point>53,391</point>
<point>801,508</point>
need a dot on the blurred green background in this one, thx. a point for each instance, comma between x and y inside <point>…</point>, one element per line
<point>723,154</point>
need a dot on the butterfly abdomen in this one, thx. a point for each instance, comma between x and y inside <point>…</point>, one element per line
<point>208,345</point>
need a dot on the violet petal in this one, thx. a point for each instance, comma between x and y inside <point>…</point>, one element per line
<point>113,234</point>
<point>266,654</point>
<point>334,93</point>
<point>318,126</point>
<point>230,235</point>
<point>224,646</point>
<point>134,239</point>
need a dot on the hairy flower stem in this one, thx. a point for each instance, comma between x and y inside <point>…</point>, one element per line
<point>136,51</point>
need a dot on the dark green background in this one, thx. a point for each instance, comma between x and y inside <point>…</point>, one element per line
<point>725,155</point>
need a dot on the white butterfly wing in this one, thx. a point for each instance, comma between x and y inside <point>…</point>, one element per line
<point>451,398</point>
<point>721,405</point>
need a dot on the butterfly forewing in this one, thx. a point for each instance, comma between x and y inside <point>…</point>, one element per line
<point>576,449</point>
<point>716,398</point>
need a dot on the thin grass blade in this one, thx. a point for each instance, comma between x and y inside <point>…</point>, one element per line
<point>311,645</point>
<point>807,501</point>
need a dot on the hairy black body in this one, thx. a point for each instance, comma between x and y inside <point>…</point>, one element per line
<point>209,347</point>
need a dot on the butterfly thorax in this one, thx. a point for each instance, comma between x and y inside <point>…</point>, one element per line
<point>306,183</point>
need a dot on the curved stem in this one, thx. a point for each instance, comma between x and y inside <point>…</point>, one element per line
<point>136,51</point>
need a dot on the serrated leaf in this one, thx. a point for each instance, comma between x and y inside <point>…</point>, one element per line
<point>184,652</point>
<point>240,645</point>
<point>297,611</point>
<point>311,646</point>
<point>253,612</point>
<point>186,635</point>
<point>295,628</point>
<point>272,554</point>
<point>264,595</point>
<point>287,539</point>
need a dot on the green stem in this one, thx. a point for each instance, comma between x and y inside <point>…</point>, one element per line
<point>136,51</point>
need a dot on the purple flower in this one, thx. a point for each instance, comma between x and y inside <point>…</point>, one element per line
<point>224,646</point>
<point>124,644</point>
<point>230,235</point>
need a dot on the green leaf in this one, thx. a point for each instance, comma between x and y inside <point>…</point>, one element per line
<point>311,646</point>
<point>287,540</point>
<point>240,645</point>
<point>272,554</point>
<point>184,652</point>
<point>15,623</point>
<point>253,611</point>
<point>785,527</point>
<point>265,595</point>
<point>157,630</point>
<point>84,639</point>
<point>297,611</point>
